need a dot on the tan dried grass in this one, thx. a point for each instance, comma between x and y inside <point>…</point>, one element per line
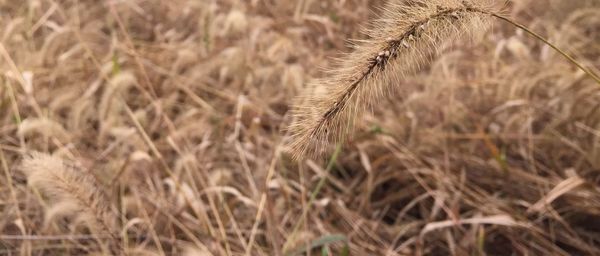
<point>492,148</point>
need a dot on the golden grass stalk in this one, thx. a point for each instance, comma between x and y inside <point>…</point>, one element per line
<point>71,191</point>
<point>406,36</point>
<point>587,71</point>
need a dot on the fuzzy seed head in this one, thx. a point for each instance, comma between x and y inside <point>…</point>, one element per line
<point>408,35</point>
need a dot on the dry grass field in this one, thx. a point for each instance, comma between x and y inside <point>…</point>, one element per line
<point>161,127</point>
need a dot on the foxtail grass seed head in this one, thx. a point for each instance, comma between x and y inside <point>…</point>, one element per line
<point>73,192</point>
<point>406,36</point>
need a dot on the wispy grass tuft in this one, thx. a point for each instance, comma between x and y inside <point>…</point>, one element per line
<point>72,193</point>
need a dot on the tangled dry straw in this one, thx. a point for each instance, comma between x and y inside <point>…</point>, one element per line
<point>159,126</point>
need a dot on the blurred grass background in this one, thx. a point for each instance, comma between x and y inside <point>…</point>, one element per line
<point>178,108</point>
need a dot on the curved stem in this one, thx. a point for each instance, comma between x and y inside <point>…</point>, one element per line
<point>563,53</point>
